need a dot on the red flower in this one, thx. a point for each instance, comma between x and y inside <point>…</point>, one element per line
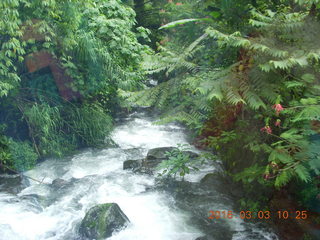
<point>266,129</point>
<point>277,123</point>
<point>278,108</point>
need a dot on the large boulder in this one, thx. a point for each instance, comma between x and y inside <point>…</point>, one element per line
<point>102,220</point>
<point>59,183</point>
<point>191,154</point>
<point>131,164</point>
<point>157,155</point>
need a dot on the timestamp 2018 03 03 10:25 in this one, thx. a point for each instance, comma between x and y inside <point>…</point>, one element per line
<point>263,215</point>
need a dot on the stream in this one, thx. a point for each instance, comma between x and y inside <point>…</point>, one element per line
<point>54,209</point>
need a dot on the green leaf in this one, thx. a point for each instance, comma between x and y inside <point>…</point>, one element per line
<point>308,77</point>
<point>215,14</point>
<point>181,22</point>
<point>302,173</point>
<point>282,179</point>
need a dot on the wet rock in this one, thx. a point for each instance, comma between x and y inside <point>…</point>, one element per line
<point>159,153</point>
<point>156,156</point>
<point>33,201</point>
<point>209,179</point>
<point>143,170</point>
<point>191,154</point>
<point>198,200</point>
<point>58,183</point>
<point>221,183</point>
<point>102,220</point>
<point>11,183</point>
<point>60,188</point>
<point>131,164</point>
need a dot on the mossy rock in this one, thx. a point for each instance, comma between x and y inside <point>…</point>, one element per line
<point>102,220</point>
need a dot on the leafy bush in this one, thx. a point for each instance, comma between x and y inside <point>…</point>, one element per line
<point>23,156</point>
<point>5,155</point>
<point>18,156</point>
<point>178,162</point>
<point>96,44</point>
<point>46,129</point>
<point>90,124</point>
<point>60,129</point>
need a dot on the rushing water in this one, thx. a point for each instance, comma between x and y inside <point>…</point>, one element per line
<point>54,211</point>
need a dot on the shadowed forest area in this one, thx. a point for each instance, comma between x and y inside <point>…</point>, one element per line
<point>242,76</point>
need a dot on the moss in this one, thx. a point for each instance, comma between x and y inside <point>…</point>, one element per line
<point>96,219</point>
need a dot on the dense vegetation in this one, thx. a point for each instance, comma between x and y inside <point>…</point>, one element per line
<point>46,111</point>
<point>242,74</point>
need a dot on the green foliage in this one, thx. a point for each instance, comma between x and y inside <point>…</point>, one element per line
<point>45,127</point>
<point>96,44</point>
<point>250,205</point>
<point>12,49</point>
<point>176,95</point>
<point>90,124</point>
<point>278,67</point>
<point>17,156</point>
<point>307,194</point>
<point>291,148</point>
<point>23,156</point>
<point>5,155</point>
<point>57,130</point>
<point>178,162</point>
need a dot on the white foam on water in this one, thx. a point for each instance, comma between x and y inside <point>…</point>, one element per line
<point>95,177</point>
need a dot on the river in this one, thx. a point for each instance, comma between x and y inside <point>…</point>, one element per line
<point>53,211</point>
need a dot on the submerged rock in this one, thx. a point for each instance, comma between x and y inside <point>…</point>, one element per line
<point>11,183</point>
<point>102,220</point>
<point>131,164</point>
<point>34,202</point>
<point>58,183</point>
